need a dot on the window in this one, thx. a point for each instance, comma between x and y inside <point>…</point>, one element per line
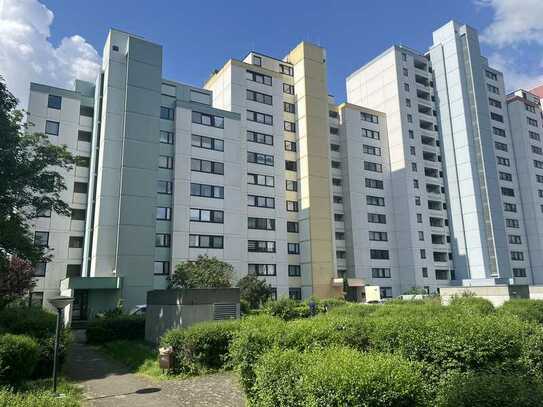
<point>379,254</point>
<point>380,272</point>
<point>162,268</point>
<point>411,134</point>
<point>519,272</point>
<point>259,78</point>
<point>73,270</point>
<point>508,191</point>
<point>419,217</point>
<point>442,274</point>
<point>374,183</point>
<point>81,187</point>
<point>493,89</point>
<point>495,103</point>
<point>259,117</point>
<point>405,72</point>
<point>335,164</point>
<point>294,270</point>
<point>78,214</point>
<point>291,165</point>
<point>289,107</point>
<point>259,97</point>
<point>503,161</point>
<point>75,242</point>
<point>260,138</point>
<point>87,111</point>
<point>378,236</point>
<point>165,161</point>
<point>375,200</point>
<point>286,69</point>
<point>512,223</point>
<point>425,272</point>
<point>200,97</point>
<point>292,206</point>
<point>35,299</point>
<point>293,248</point>
<point>162,240</point>
<point>500,146</point>
<point>260,201</point>
<point>371,166</point>
<point>166,113</point>
<point>84,136</point>
<point>208,120</point>
<point>340,236</point>
<point>529,108</point>
<point>40,269</point>
<point>288,88</point>
<point>368,117</point>
<point>295,293</point>
<point>260,223</point>
<point>207,142</point>
<point>333,114</point>
<point>538,164</point>
<point>505,176</point>
<point>371,134</point>
<point>537,150</point>
<point>498,132</point>
<point>532,122</point>
<point>257,60</point>
<point>292,227</point>
<point>259,179</point>
<point>206,215</point>
<point>409,118</point>
<point>289,126</point>
<point>164,187</point>
<point>338,217</point>
<point>340,254</point>
<point>41,239</point>
<point>290,145</point>
<point>163,213</point>
<point>497,117</point>
<point>414,167</point>
<point>491,75</point>
<point>334,130</point>
<point>291,185</point>
<point>404,56</point>
<point>82,161</point>
<point>386,292</point>
<point>54,102</point>
<point>539,178</point>
<point>371,150</point>
<point>509,207</point>
<point>259,158</point>
<point>206,241</point>
<point>421,235</point>
<point>260,246</point>
<point>51,128</point>
<point>534,136</point>
<point>334,147</point>
<point>207,191</point>
<point>517,256</point>
<point>515,239</point>
<point>262,269</point>
<point>422,253</point>
<point>210,167</point>
<point>336,182</point>
<point>377,218</point>
<point>417,200</point>
<point>406,87</point>
<point>416,184</point>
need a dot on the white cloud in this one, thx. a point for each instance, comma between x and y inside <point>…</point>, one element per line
<point>26,53</point>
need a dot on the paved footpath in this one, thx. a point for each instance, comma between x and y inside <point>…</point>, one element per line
<point>107,383</point>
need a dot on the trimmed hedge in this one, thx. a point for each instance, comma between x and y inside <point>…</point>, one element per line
<point>201,347</point>
<point>472,304</point>
<point>336,376</point>
<point>527,310</point>
<point>489,390</point>
<point>112,328</point>
<point>288,309</point>
<point>18,358</point>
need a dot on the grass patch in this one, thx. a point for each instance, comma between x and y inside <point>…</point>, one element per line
<point>39,393</point>
<point>138,356</point>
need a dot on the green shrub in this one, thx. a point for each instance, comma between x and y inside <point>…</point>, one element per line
<point>201,347</point>
<point>336,376</point>
<point>528,310</point>
<point>38,394</point>
<point>532,354</point>
<point>112,328</point>
<point>286,309</point>
<point>353,310</point>
<point>18,358</point>
<point>489,390</point>
<point>472,304</point>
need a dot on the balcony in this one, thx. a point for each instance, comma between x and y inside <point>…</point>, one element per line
<point>427,110</point>
<point>421,80</point>
<point>433,189</point>
<point>428,141</point>
<point>431,172</point>
<point>421,94</point>
<point>426,125</point>
<point>429,156</point>
<point>423,66</point>
<point>435,205</point>
<point>436,222</point>
<point>438,239</point>
<point>441,257</point>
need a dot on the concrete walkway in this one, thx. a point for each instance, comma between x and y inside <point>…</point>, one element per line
<point>107,383</point>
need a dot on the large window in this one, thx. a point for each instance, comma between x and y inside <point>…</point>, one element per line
<point>262,269</point>
<point>162,240</point>
<point>259,179</point>
<point>375,200</point>
<point>40,269</point>
<point>371,166</point>
<point>261,201</point>
<point>166,113</point>
<point>260,138</point>
<point>379,254</point>
<point>163,213</point>
<point>291,185</point>
<point>260,223</point>
<point>207,142</point>
<point>371,134</point>
<point>380,272</point>
<point>78,214</point>
<point>374,183</point>
<point>290,145</point>
<point>286,69</point>
<point>371,150</point>
<point>498,132</point>
<point>294,270</point>
<point>259,78</point>
<point>81,187</point>
<point>293,227</point>
<point>207,191</point>
<point>257,117</point>
<point>51,128</point>
<point>261,246</point>
<point>165,161</point>
<point>289,107</point>
<point>41,239</point>
<point>293,248</point>
<point>288,88</point>
<point>368,117</point>
<point>54,102</point>
<point>206,215</point>
<point>295,293</point>
<point>259,97</point>
<point>378,236</point>
<point>75,242</point>
<point>259,158</point>
<point>292,206</point>
<point>503,161</point>
<point>377,218</point>
<point>206,241</point>
<point>291,165</point>
<point>289,126</point>
<point>162,268</point>
<point>210,167</point>
<point>208,119</point>
<point>164,187</point>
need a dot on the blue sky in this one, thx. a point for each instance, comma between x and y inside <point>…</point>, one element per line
<point>200,36</point>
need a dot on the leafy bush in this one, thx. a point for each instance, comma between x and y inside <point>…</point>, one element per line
<point>353,310</point>
<point>528,310</point>
<point>489,390</point>
<point>18,358</point>
<point>286,309</point>
<point>472,304</point>
<point>129,327</point>
<point>532,354</point>
<point>201,347</point>
<point>336,376</point>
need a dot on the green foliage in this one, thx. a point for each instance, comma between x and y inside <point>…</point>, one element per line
<point>31,182</point>
<point>38,394</point>
<point>16,280</point>
<point>254,291</point>
<point>353,310</point>
<point>18,358</point>
<point>111,328</point>
<point>489,390</point>
<point>532,354</point>
<point>201,347</point>
<point>469,303</point>
<point>527,310</point>
<point>286,309</point>
<point>336,376</point>
<point>205,272</point>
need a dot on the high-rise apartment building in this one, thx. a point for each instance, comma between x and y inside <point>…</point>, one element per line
<point>422,179</point>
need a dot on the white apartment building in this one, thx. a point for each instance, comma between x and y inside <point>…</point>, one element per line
<point>262,169</point>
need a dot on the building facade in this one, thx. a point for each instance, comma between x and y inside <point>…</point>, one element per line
<point>421,179</point>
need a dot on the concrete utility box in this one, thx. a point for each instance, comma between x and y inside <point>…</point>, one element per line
<point>496,294</point>
<point>167,309</point>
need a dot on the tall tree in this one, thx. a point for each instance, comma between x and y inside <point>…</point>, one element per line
<point>254,290</point>
<point>30,183</point>
<point>205,272</point>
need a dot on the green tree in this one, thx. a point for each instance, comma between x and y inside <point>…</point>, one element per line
<point>205,272</point>
<point>30,183</point>
<point>254,290</point>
